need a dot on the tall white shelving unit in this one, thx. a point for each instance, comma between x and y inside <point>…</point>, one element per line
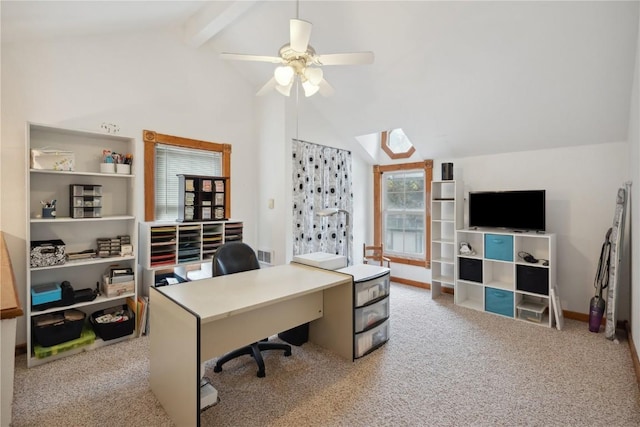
<point>117,218</point>
<point>447,215</point>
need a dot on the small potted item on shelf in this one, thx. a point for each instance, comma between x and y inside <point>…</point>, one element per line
<point>123,163</point>
<point>48,209</point>
<point>107,165</point>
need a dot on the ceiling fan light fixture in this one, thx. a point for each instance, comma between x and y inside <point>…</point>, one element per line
<point>313,75</point>
<point>285,89</point>
<point>284,75</point>
<point>309,88</point>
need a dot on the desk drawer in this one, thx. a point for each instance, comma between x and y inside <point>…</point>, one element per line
<point>370,340</point>
<point>370,315</point>
<point>371,289</point>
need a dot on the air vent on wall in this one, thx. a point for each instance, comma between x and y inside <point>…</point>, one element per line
<point>265,256</point>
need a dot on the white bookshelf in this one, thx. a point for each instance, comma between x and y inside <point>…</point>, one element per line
<point>78,234</point>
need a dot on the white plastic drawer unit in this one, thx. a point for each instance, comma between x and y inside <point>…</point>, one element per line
<point>371,290</point>
<point>370,340</point>
<point>370,315</point>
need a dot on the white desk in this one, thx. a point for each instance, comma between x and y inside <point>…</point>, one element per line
<point>196,321</point>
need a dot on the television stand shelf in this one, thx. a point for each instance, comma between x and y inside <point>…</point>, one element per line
<point>494,278</point>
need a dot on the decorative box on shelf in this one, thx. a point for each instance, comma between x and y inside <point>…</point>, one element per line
<point>52,159</point>
<point>118,281</point>
<point>46,253</point>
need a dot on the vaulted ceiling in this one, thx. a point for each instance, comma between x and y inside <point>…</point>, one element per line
<point>460,78</point>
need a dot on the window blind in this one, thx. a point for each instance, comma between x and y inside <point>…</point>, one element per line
<point>172,161</point>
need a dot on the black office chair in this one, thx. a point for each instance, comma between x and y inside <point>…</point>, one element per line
<point>234,257</point>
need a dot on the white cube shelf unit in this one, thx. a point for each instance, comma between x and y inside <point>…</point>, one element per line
<point>446,217</point>
<point>496,279</point>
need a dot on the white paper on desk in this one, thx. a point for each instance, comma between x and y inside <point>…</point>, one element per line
<point>172,281</point>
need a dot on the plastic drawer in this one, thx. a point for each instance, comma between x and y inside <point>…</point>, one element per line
<point>86,212</point>
<point>373,338</point>
<point>499,247</point>
<point>498,301</point>
<point>86,190</point>
<point>86,202</point>
<point>370,290</point>
<point>370,315</point>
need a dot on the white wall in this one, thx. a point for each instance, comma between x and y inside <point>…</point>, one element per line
<point>634,160</point>
<point>138,81</point>
<point>271,183</point>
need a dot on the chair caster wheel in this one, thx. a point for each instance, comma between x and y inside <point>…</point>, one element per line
<point>287,353</point>
<point>261,374</point>
<point>217,368</point>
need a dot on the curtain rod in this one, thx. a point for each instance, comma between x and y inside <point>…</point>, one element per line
<point>321,145</point>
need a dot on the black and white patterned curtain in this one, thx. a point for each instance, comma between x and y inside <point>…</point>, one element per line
<point>321,179</point>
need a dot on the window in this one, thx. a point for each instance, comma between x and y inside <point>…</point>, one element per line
<point>396,144</point>
<point>171,161</point>
<point>167,155</point>
<point>401,214</point>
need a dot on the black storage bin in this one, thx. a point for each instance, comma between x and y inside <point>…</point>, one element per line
<point>296,336</point>
<point>470,269</point>
<point>55,328</point>
<point>117,328</point>
<point>532,279</point>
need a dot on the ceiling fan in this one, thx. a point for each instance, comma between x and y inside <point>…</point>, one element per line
<point>299,61</point>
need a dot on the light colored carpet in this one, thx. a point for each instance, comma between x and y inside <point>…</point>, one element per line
<point>444,365</point>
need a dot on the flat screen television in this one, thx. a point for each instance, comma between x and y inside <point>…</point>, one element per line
<point>522,210</point>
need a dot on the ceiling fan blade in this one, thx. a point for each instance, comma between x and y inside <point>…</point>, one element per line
<point>243,57</point>
<point>268,87</point>
<point>299,34</point>
<point>355,58</point>
<point>325,88</point>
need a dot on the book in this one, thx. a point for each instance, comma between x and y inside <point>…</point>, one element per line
<point>133,306</point>
<point>142,315</point>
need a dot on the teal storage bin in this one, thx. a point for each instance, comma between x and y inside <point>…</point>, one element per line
<point>42,294</point>
<point>498,301</point>
<point>498,246</point>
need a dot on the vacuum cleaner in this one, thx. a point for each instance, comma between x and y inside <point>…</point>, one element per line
<point>601,281</point>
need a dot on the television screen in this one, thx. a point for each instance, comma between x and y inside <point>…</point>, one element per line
<point>515,210</point>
